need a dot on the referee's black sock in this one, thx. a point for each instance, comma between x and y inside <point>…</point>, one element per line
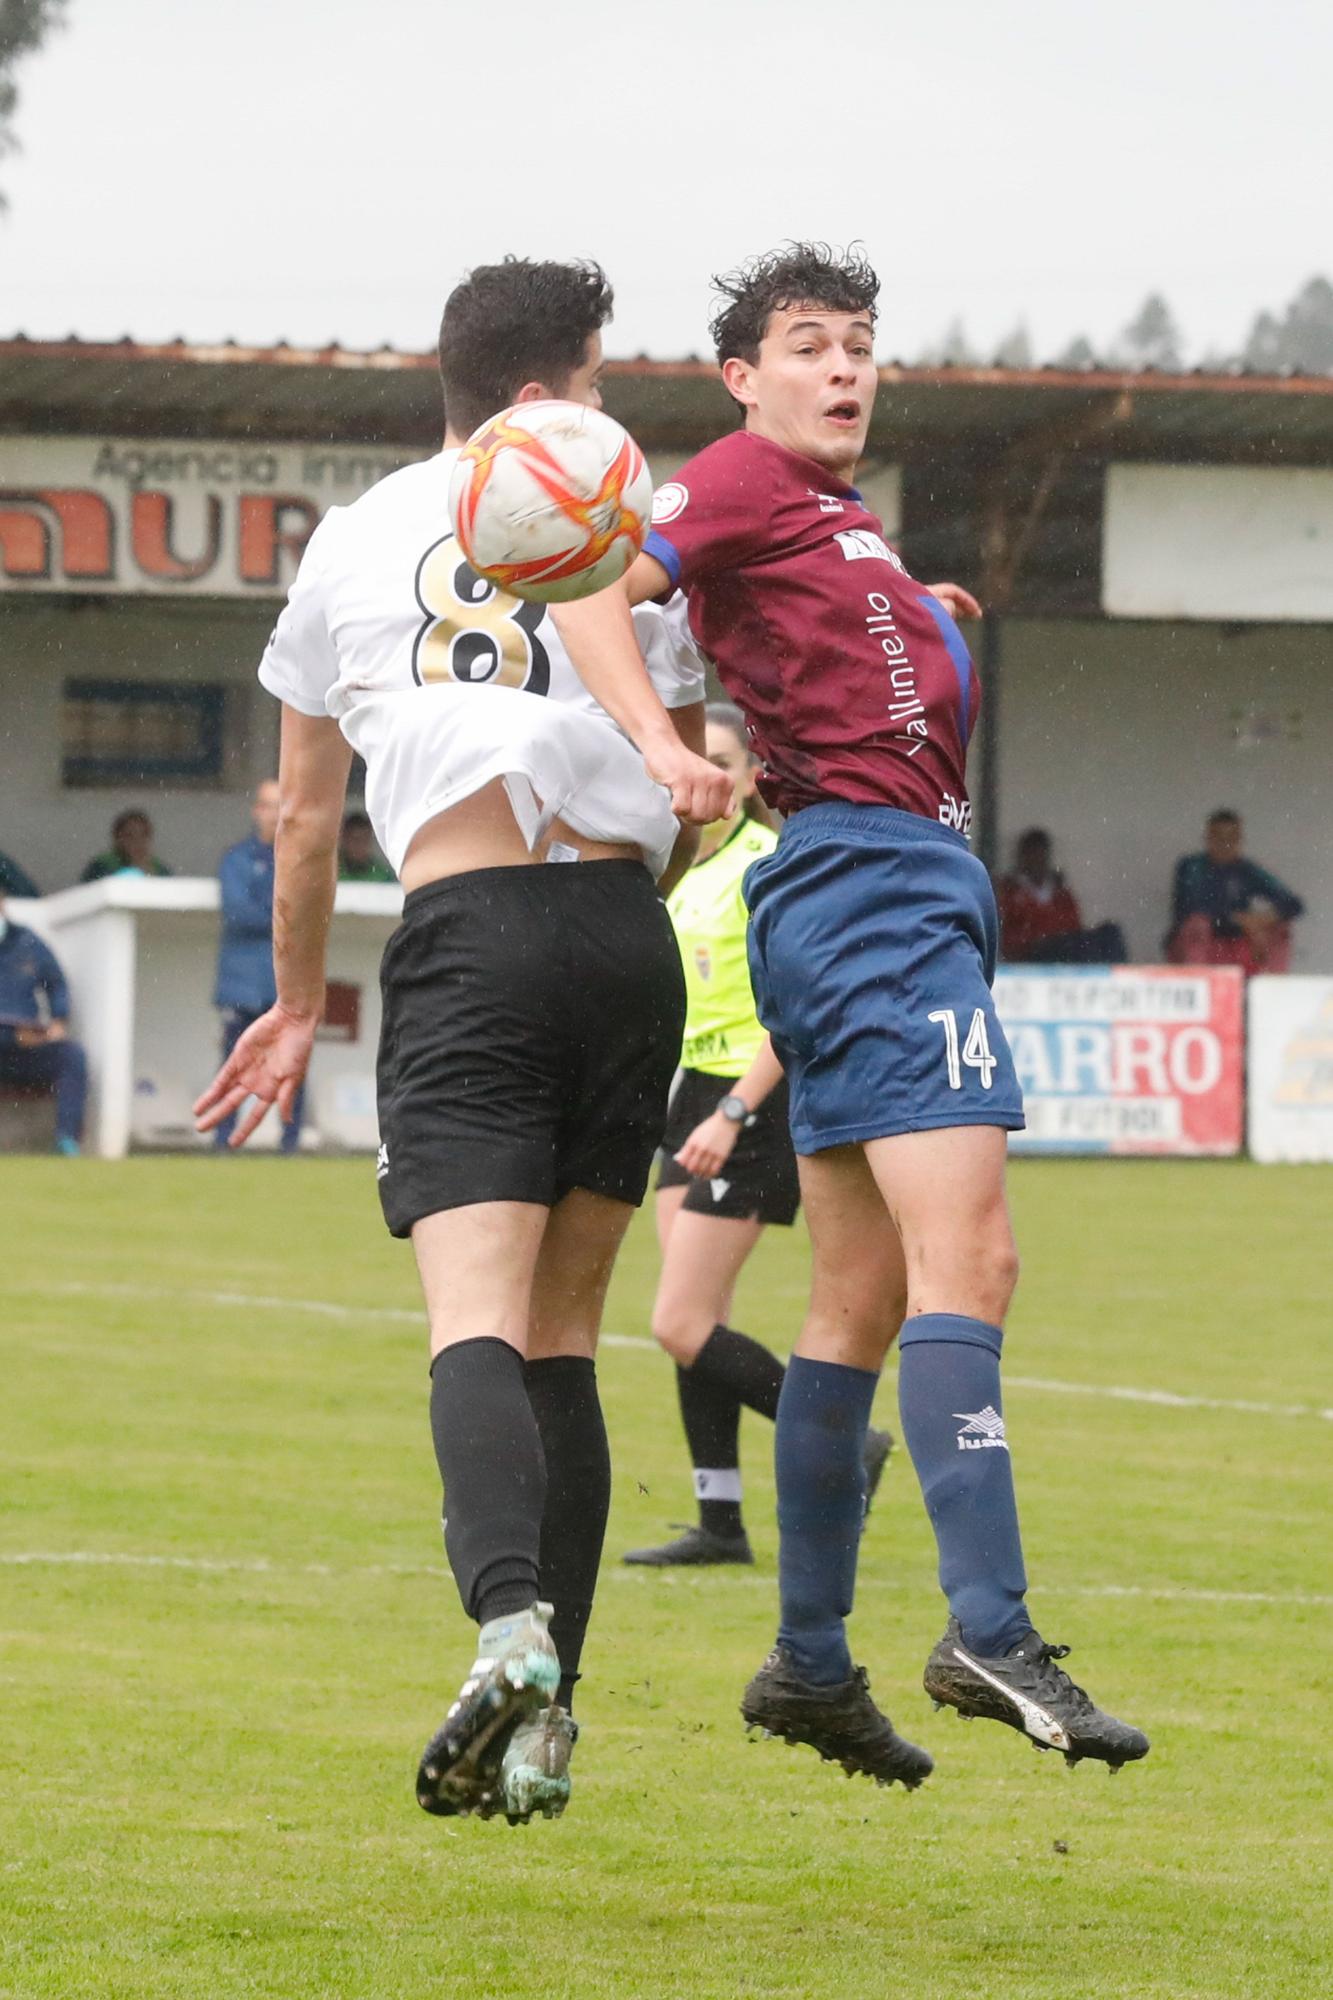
<point>489,1453</point>
<point>712,1419</point>
<point>563,1392</point>
<point>730,1370</point>
<point>733,1361</point>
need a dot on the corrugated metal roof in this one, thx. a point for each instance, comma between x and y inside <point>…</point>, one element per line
<point>334,393</point>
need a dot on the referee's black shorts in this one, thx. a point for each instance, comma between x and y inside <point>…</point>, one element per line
<point>759,1180</point>
<point>531,1027</point>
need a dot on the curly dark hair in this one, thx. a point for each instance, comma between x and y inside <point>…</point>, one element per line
<point>798,274</point>
<point>516,322</point>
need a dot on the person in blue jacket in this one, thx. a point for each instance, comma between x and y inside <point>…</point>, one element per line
<point>35,1048</point>
<point>1226,909</point>
<point>245,986</point>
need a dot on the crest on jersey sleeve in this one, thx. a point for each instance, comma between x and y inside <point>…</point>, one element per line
<point>669,501</point>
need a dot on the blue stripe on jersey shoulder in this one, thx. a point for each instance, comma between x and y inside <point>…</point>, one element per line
<point>659,548</point>
<point>958,653</point>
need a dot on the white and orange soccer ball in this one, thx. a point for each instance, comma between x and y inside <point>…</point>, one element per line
<point>551,501</point>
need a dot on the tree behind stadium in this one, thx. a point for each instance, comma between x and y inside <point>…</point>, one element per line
<point>24,26</point>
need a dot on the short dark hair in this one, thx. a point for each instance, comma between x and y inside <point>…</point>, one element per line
<point>799,274</point>
<point>128,818</point>
<point>1224,816</point>
<point>515,322</point>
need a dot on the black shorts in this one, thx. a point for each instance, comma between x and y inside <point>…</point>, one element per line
<point>532,1024</point>
<point>759,1179</point>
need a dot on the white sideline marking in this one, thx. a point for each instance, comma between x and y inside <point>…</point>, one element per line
<point>261,1566</point>
<point>1165,1398</point>
<point>410,1316</point>
<point>207,1565</point>
<point>246,1301</point>
<point>259,1302</point>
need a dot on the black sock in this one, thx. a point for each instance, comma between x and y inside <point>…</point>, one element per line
<point>563,1394</point>
<point>489,1453</point>
<point>734,1361</point>
<point>712,1418</point>
<point>729,1370</point>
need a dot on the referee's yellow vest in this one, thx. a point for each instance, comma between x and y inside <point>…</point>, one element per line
<point>722,1031</point>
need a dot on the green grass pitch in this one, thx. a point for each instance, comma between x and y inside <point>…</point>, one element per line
<point>226,1627</point>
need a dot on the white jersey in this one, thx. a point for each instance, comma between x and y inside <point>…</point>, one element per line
<point>442,683</point>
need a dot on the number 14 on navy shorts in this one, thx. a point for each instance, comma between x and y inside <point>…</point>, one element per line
<point>873,940</point>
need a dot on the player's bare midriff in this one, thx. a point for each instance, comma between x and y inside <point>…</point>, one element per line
<point>481,832</point>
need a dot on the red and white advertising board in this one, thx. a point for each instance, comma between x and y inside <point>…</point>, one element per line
<point>1126,1059</point>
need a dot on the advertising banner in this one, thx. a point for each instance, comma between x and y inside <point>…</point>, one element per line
<point>1218,541</point>
<point>1126,1059</point>
<point>170,517</point>
<point>1291,1069</point>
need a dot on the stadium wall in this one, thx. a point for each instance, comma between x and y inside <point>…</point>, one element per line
<point>52,829</point>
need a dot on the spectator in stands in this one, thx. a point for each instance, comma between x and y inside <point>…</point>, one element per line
<point>14,881</point>
<point>1226,910</point>
<point>1040,920</point>
<point>245,984</point>
<point>131,849</point>
<point>35,1049</point>
<point>359,860</point>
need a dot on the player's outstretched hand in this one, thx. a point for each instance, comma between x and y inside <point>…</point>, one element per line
<point>700,793</point>
<point>267,1065</point>
<point>708,1147</point>
<point>961,602</point>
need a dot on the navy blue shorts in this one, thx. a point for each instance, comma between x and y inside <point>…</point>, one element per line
<point>873,938</point>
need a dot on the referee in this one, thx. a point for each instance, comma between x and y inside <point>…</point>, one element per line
<point>728,1170</point>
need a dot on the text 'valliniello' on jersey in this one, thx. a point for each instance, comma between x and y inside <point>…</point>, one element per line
<point>722,1031</point>
<point>856,683</point>
<point>443,683</point>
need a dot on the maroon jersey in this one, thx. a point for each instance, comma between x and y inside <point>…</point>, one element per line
<point>855,681</point>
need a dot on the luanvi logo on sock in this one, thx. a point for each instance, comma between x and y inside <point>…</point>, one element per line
<point>983,1430</point>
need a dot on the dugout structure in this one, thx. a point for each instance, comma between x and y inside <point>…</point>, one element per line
<point>1155,553</point>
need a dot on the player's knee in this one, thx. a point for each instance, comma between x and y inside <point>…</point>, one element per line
<point>999,1272</point>
<point>678,1331</point>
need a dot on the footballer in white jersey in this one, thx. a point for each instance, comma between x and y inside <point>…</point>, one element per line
<point>389,629</point>
<point>532,1013</point>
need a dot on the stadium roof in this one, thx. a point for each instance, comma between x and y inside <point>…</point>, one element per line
<point>335,393</point>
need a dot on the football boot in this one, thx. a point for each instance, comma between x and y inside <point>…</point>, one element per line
<point>1026,1689</point>
<point>514,1675</point>
<point>841,1722</point>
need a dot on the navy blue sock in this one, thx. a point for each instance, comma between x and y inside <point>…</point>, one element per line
<point>949,1398</point>
<point>819,1451</point>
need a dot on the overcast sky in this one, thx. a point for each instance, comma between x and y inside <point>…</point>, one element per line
<point>325,169</point>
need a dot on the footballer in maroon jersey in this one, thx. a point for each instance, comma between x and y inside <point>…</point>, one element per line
<point>856,681</point>
<point>873,938</point>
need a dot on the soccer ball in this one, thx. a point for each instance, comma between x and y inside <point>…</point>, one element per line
<point>551,501</point>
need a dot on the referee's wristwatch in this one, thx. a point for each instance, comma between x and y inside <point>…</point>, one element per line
<point>735,1110</point>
